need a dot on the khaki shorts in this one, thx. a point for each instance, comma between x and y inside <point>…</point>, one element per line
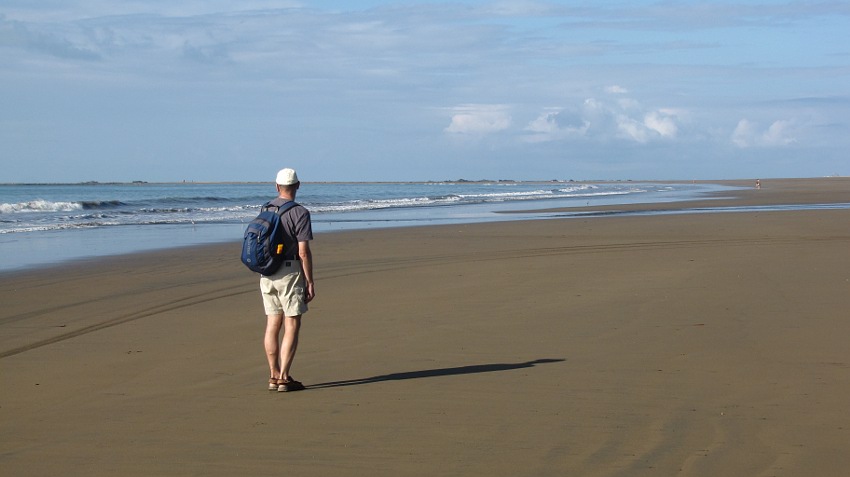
<point>284,292</point>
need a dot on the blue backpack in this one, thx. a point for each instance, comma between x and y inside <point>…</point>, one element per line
<point>262,248</point>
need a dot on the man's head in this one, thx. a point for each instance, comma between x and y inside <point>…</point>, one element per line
<point>287,177</point>
<point>287,181</point>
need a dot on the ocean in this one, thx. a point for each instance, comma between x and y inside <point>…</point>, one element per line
<point>46,224</point>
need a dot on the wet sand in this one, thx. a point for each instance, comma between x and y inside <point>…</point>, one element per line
<point>688,344</point>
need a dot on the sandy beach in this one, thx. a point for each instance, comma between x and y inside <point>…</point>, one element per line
<point>710,344</point>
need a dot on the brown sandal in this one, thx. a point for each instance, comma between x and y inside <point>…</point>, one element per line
<point>287,386</point>
<point>274,383</point>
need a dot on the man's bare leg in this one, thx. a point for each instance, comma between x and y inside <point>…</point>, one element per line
<point>270,342</point>
<point>288,346</point>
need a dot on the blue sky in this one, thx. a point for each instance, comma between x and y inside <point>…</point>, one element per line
<point>216,90</point>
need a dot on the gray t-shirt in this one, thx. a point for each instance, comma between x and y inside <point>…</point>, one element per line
<point>298,227</point>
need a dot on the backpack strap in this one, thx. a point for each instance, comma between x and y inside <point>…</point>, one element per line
<point>281,208</point>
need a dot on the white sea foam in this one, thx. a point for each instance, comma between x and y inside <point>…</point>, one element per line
<point>39,205</point>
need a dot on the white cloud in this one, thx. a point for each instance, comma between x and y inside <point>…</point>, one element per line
<point>624,119</point>
<point>546,123</point>
<point>743,134</point>
<point>662,121</point>
<point>629,104</point>
<point>629,128</point>
<point>479,119</point>
<point>555,124</point>
<point>614,89</point>
<point>778,134</point>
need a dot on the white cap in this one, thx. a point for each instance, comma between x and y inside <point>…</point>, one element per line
<point>287,177</point>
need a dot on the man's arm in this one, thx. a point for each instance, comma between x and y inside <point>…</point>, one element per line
<point>306,256</point>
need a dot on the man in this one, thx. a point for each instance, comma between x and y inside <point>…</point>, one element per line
<point>287,291</point>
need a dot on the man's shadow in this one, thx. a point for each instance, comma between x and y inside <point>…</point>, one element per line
<point>431,373</point>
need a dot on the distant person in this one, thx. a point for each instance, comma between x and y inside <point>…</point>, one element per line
<point>758,183</point>
<point>287,291</point>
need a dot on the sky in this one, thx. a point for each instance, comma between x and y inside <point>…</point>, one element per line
<point>217,90</point>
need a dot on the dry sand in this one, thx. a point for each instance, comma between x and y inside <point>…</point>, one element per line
<point>692,344</point>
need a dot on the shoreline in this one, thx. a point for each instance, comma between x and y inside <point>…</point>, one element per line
<point>133,226</point>
<point>775,193</point>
